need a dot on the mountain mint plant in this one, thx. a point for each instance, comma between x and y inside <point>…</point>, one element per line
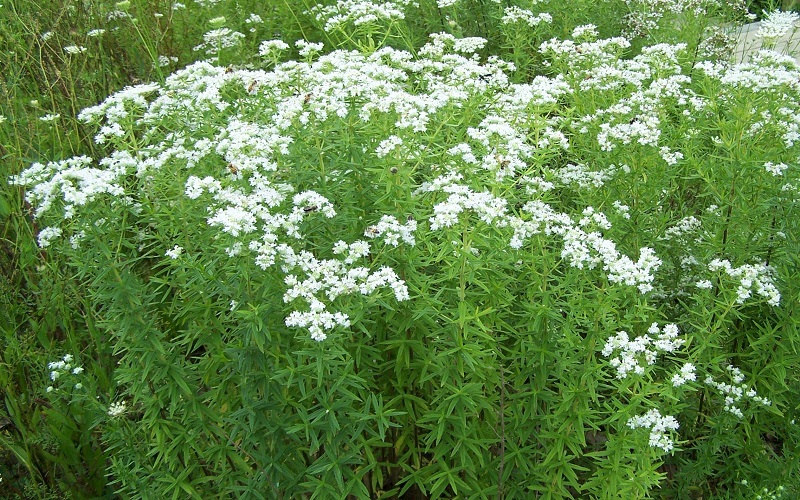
<point>377,269</point>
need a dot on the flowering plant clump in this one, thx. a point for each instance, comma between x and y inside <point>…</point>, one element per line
<point>413,271</point>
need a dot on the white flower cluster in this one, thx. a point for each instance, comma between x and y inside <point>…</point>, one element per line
<point>580,175</point>
<point>359,12</point>
<point>331,278</point>
<point>392,231</point>
<point>388,145</point>
<point>253,20</point>
<point>216,40</point>
<point>47,235</point>
<point>175,252</point>
<point>777,24</point>
<point>585,31</point>
<point>461,198</point>
<point>75,49</point>
<point>271,47</point>
<point>646,16</point>
<point>776,169</point>
<point>585,54</point>
<point>633,355</point>
<point>118,409</point>
<point>735,392</point>
<point>164,61</point>
<point>686,374</point>
<point>682,228</point>
<point>582,249</point>
<point>751,278</point>
<point>767,72</point>
<point>63,368</point>
<point>591,249</point>
<point>659,428</point>
<point>308,49</point>
<point>669,156</point>
<point>622,209</point>
<point>117,106</point>
<point>75,182</point>
<point>515,14</point>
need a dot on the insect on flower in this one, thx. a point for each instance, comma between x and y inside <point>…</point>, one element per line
<point>307,98</point>
<point>232,168</point>
<point>253,85</point>
<point>504,162</point>
<point>312,208</point>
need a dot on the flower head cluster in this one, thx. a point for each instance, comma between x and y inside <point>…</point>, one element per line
<point>737,391</point>
<point>392,231</point>
<point>118,409</point>
<point>271,47</point>
<point>683,228</point>
<point>686,374</point>
<point>216,40</point>
<point>515,14</point>
<point>659,428</point>
<point>582,248</point>
<point>776,169</point>
<point>359,12</point>
<point>778,24</point>
<point>751,278</point>
<point>331,278</point>
<point>74,181</point>
<point>63,369</point>
<point>174,252</point>
<point>632,355</point>
<point>582,176</point>
<point>74,49</point>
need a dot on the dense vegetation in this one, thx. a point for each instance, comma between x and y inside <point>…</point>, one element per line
<point>404,249</point>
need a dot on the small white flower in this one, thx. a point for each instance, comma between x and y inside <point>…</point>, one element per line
<point>308,48</point>
<point>47,235</point>
<point>659,426</point>
<point>75,49</point>
<point>704,285</point>
<point>116,409</point>
<point>271,47</point>
<point>175,252</point>
<point>775,169</point>
<point>686,374</point>
<point>777,24</point>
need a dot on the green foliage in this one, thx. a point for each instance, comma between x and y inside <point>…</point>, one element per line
<point>203,325</point>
